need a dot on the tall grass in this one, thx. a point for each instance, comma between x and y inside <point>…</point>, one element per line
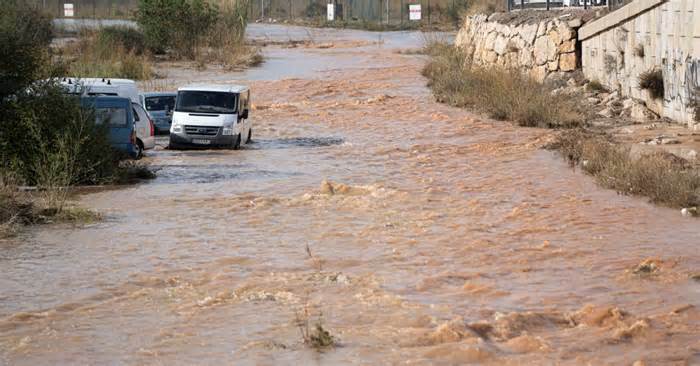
<point>504,94</point>
<point>663,177</point>
<point>224,43</point>
<point>115,52</point>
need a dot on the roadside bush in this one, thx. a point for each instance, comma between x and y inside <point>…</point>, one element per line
<point>224,43</point>
<point>177,25</point>
<point>25,35</point>
<point>503,94</point>
<point>663,177</point>
<point>130,39</point>
<point>53,141</point>
<point>315,10</point>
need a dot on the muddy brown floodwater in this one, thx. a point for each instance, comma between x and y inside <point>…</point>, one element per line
<point>438,237</point>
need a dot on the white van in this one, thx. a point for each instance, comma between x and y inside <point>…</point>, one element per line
<point>102,86</point>
<point>211,116</point>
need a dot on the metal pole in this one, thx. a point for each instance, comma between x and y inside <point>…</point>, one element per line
<point>262,10</point>
<point>387,11</point>
<point>522,4</point>
<point>547,4</point>
<point>585,4</point>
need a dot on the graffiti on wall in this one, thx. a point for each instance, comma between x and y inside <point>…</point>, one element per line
<point>681,79</point>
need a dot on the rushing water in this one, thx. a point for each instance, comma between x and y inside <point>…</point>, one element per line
<point>436,236</point>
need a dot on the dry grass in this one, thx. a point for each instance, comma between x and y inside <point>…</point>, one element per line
<point>662,177</point>
<point>653,81</point>
<point>485,7</point>
<point>102,53</point>
<point>15,207</point>
<point>639,50</point>
<point>595,86</point>
<point>503,94</point>
<point>20,208</point>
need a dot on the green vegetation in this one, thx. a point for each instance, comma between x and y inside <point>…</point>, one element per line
<point>198,30</point>
<point>663,177</point>
<point>46,139</point>
<point>503,94</point>
<point>175,25</point>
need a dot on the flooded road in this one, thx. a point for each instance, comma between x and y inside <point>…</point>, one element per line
<point>436,236</point>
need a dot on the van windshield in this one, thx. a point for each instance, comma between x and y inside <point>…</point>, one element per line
<point>160,103</point>
<point>196,101</point>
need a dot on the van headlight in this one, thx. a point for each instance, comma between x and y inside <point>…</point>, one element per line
<point>176,127</point>
<point>228,129</point>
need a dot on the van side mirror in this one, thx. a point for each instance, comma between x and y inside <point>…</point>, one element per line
<point>244,115</point>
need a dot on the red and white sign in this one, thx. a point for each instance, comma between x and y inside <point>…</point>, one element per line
<point>68,10</point>
<point>414,12</point>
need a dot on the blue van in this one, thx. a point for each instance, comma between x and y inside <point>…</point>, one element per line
<point>118,113</point>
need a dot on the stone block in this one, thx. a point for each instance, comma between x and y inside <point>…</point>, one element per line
<point>500,45</point>
<point>545,50</point>
<point>555,36</point>
<point>567,46</point>
<point>567,61</point>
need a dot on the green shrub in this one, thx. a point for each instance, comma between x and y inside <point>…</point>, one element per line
<point>25,35</point>
<point>176,25</point>
<point>130,39</point>
<point>315,10</point>
<point>49,127</point>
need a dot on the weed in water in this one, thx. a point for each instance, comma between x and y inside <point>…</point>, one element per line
<point>316,336</point>
<point>653,81</point>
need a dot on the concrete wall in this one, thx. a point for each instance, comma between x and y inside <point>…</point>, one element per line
<point>668,32</point>
<point>540,48</point>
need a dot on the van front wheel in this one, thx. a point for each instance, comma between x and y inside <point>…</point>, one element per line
<point>237,142</point>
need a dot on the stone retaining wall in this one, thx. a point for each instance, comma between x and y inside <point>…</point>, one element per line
<point>539,48</point>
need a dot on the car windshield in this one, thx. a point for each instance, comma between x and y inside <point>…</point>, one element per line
<point>206,102</point>
<point>161,103</point>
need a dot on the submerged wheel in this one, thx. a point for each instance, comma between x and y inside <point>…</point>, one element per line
<point>250,136</point>
<point>138,149</point>
<point>237,142</point>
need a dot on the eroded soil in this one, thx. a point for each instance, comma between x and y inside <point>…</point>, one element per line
<point>434,236</point>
